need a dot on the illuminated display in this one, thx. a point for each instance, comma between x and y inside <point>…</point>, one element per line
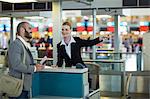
<point>80,28</point>
<point>89,28</point>
<point>35,29</point>
<point>50,29</point>
<point>110,29</point>
<point>7,27</point>
<point>144,28</point>
<point>1,27</point>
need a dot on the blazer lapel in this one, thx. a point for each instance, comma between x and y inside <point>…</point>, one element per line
<point>64,51</point>
<point>29,52</point>
<point>73,49</point>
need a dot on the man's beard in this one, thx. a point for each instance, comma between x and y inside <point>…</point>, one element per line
<point>28,35</point>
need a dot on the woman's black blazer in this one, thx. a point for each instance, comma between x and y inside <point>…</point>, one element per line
<point>75,51</point>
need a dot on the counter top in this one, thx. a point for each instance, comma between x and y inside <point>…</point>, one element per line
<point>106,61</point>
<point>96,60</point>
<point>50,59</point>
<point>64,70</point>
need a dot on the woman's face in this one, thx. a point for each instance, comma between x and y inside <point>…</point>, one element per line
<point>66,31</point>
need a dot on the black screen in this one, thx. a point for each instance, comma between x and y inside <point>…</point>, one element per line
<point>129,2</point>
<point>22,6</point>
<point>6,6</point>
<point>39,5</point>
<point>144,3</point>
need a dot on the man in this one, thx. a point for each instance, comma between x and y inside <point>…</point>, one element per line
<point>16,53</point>
<point>69,49</point>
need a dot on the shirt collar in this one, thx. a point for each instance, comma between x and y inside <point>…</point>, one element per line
<point>26,44</point>
<point>71,41</point>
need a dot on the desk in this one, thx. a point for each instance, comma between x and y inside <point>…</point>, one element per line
<point>60,82</point>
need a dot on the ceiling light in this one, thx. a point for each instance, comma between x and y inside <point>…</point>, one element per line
<point>34,17</point>
<point>18,1</point>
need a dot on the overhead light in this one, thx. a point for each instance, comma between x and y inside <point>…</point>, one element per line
<point>103,16</point>
<point>4,18</point>
<point>34,17</point>
<point>18,1</point>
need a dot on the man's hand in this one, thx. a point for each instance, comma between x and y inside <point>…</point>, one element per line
<point>39,67</point>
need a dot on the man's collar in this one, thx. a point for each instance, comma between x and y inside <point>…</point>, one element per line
<point>24,42</point>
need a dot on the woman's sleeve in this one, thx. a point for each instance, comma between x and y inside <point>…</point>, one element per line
<point>85,43</point>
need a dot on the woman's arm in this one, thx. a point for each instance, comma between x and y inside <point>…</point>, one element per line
<point>85,43</point>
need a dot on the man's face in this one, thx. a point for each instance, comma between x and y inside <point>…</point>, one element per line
<point>27,31</point>
<point>66,31</point>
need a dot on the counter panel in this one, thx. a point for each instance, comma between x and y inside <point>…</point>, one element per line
<point>64,84</point>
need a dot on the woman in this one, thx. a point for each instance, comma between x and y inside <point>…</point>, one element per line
<point>69,49</point>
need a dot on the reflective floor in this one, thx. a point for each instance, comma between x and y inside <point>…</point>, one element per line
<point>79,98</point>
<point>109,98</point>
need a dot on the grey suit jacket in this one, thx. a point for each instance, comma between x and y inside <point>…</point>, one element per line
<point>16,65</point>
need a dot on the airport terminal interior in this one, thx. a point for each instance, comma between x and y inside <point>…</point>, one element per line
<point>118,67</point>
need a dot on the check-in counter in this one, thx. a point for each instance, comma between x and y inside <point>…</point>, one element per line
<point>60,82</point>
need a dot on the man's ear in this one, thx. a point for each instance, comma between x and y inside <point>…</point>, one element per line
<point>22,30</point>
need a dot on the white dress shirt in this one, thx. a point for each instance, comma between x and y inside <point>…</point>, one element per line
<point>68,47</point>
<point>26,44</point>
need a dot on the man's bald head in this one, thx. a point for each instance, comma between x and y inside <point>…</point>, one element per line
<point>24,30</point>
<point>21,25</point>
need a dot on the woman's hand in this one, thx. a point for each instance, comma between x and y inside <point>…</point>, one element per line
<point>101,39</point>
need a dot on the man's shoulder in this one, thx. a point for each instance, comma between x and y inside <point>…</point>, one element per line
<point>16,42</point>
